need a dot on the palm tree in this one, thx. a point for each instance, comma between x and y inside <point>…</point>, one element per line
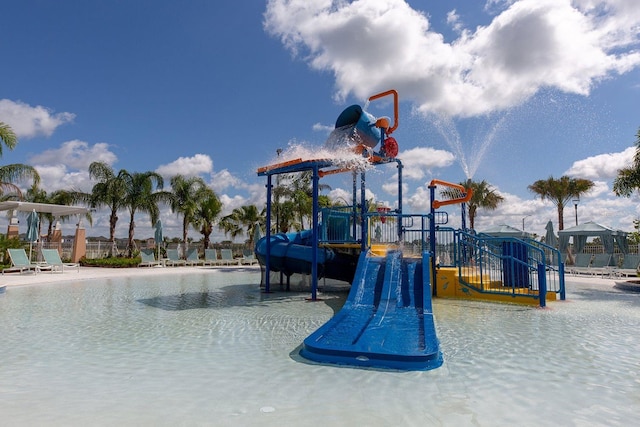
<point>287,212</point>
<point>13,173</point>
<point>628,179</point>
<point>108,192</point>
<point>140,195</point>
<point>9,174</point>
<point>243,219</point>
<point>302,195</point>
<point>186,193</point>
<point>207,210</point>
<point>560,191</point>
<point>294,200</point>
<point>483,196</point>
<point>7,137</point>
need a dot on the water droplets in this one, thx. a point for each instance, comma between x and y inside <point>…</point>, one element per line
<point>340,147</point>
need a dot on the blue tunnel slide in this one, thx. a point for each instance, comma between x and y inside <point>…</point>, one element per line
<point>291,253</point>
<point>387,320</point>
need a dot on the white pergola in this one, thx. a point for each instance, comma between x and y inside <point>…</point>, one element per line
<point>79,243</point>
<point>55,210</point>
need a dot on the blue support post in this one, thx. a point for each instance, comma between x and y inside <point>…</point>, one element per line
<point>423,232</point>
<point>463,216</point>
<point>363,211</point>
<point>563,293</point>
<point>400,230</point>
<point>314,236</point>
<point>267,284</point>
<point>432,237</point>
<point>354,205</point>
<point>542,284</point>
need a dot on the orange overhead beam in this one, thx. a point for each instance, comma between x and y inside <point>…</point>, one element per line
<point>279,165</point>
<point>395,107</point>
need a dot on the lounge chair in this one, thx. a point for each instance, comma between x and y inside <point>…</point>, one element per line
<point>173,258</point>
<point>20,262</point>
<point>192,257</point>
<point>211,257</point>
<point>52,259</point>
<point>148,258</point>
<point>226,256</point>
<point>629,267</point>
<point>616,260</point>
<point>601,265</point>
<point>581,264</point>
<point>248,257</point>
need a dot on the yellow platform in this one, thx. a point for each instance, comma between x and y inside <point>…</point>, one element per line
<point>449,286</point>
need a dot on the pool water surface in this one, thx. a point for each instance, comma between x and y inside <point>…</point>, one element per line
<point>211,349</point>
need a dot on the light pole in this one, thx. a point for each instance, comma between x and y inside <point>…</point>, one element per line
<point>523,218</point>
<point>576,200</point>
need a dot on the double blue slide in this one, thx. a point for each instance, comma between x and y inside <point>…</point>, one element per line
<point>387,319</point>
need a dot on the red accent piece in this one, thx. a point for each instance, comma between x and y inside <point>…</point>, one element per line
<point>383,209</point>
<point>391,147</point>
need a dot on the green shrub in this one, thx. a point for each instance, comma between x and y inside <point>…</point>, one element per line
<point>113,262</point>
<point>5,244</point>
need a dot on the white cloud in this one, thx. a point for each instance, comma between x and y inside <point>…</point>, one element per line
<point>187,166</point>
<point>257,194</point>
<point>229,203</point>
<point>600,188</point>
<point>419,161</point>
<point>529,45</point>
<point>224,179</point>
<point>391,188</point>
<point>453,19</point>
<point>514,211</point>
<point>59,177</point>
<point>28,122</point>
<point>419,201</point>
<point>603,166</point>
<point>319,127</point>
<point>75,154</point>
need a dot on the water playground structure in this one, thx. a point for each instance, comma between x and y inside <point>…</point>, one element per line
<point>396,262</point>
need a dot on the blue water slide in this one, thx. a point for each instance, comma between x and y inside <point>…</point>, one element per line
<point>387,320</point>
<point>292,253</point>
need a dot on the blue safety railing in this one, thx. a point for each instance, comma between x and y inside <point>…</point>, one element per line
<point>486,264</point>
<point>339,225</point>
<point>554,267</point>
<point>508,265</point>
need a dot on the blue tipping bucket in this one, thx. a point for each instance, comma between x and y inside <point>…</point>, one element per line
<point>363,122</point>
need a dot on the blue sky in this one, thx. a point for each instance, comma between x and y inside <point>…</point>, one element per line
<point>545,87</point>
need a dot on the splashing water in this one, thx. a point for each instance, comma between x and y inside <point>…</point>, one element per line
<point>339,148</point>
<point>550,115</point>
<point>469,161</point>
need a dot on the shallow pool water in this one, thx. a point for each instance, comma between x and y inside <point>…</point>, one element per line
<point>211,349</point>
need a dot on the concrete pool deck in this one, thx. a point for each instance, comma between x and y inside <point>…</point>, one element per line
<point>90,273</point>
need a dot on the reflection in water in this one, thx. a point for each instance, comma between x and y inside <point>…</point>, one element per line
<point>228,296</point>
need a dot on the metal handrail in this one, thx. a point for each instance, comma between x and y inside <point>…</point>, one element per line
<point>485,263</point>
<point>517,265</point>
